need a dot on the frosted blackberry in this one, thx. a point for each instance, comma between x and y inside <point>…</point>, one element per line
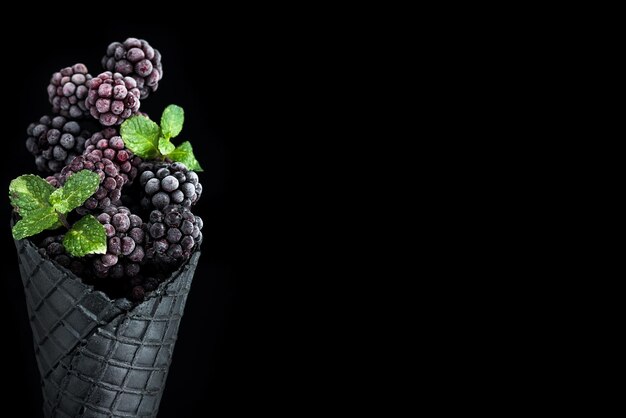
<point>110,145</point>
<point>125,244</point>
<point>137,59</point>
<point>52,247</point>
<point>163,184</point>
<point>172,234</point>
<point>68,90</point>
<point>112,98</point>
<point>55,142</point>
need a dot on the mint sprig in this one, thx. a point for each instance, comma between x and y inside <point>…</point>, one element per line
<point>29,193</point>
<point>184,154</point>
<point>172,121</point>
<point>150,141</point>
<point>42,207</point>
<point>76,190</point>
<point>36,221</point>
<point>141,136</point>
<point>87,236</point>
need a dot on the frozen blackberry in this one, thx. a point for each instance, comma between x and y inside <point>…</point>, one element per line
<point>172,234</point>
<point>125,244</point>
<point>55,142</point>
<point>112,98</point>
<point>68,90</point>
<point>163,184</point>
<point>137,59</point>
<point>109,144</point>
<point>52,247</point>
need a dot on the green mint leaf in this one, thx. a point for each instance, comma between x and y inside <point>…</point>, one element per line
<point>172,121</point>
<point>78,188</point>
<point>29,193</point>
<point>141,136</point>
<point>184,154</point>
<point>165,146</point>
<point>87,236</point>
<point>35,222</point>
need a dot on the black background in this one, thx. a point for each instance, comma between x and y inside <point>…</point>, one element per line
<point>224,356</point>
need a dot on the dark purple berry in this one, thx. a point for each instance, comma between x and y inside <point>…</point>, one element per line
<point>170,183</point>
<point>137,254</point>
<point>160,200</point>
<point>128,245</point>
<point>114,245</point>
<point>173,219</point>
<point>137,235</point>
<point>152,186</point>
<point>121,222</point>
<point>145,176</point>
<point>175,251</point>
<point>108,260</point>
<point>187,243</point>
<point>157,230</point>
<point>174,235</point>
<point>156,216</point>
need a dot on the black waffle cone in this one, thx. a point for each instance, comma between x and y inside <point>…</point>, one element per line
<point>100,357</point>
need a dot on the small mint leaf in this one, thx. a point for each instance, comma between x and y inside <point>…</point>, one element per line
<point>141,136</point>
<point>78,188</point>
<point>29,193</point>
<point>87,236</point>
<point>172,121</point>
<point>184,154</point>
<point>165,146</point>
<point>35,222</point>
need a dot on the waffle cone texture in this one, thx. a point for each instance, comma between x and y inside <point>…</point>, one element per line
<point>100,357</point>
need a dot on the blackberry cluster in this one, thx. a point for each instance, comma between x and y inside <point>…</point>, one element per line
<point>111,145</point>
<point>68,90</point>
<point>112,98</point>
<point>137,59</point>
<point>125,239</point>
<point>52,247</point>
<point>55,142</point>
<point>172,234</point>
<point>164,183</point>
